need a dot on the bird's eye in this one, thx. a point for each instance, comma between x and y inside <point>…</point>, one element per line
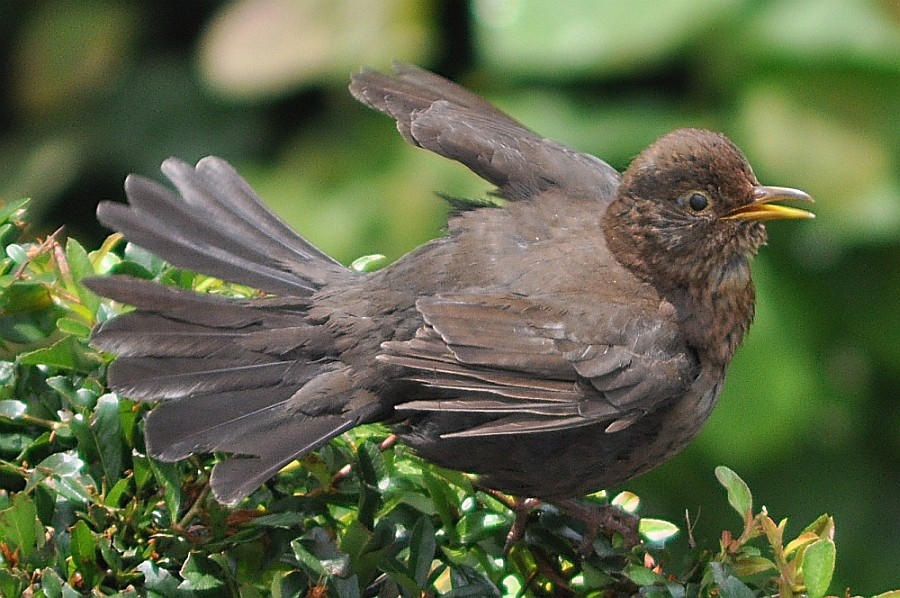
<point>696,201</point>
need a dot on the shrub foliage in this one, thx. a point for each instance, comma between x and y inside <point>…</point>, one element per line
<point>84,510</point>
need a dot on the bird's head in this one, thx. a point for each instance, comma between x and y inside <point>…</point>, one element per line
<point>690,211</point>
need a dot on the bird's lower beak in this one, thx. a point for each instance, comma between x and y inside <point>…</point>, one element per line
<point>763,208</point>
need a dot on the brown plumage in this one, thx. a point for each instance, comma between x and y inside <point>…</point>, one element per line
<point>567,341</point>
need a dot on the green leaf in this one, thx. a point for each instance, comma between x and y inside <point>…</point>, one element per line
<point>199,575</point>
<point>68,353</point>
<point>733,587</point>
<point>11,585</point>
<point>656,530</point>
<point>83,548</point>
<point>129,268</point>
<point>818,567</point>
<point>168,478</point>
<point>51,583</point>
<point>76,328</point>
<point>823,527</point>
<point>372,467</point>
<point>642,576</point>
<point>739,496</point>
<point>729,585</point>
<point>318,553</point>
<point>143,472</point>
<point>12,409</point>
<point>346,588</point>
<point>746,566</point>
<point>19,526</point>
<point>480,525</point>
<point>81,267</point>
<point>422,546</point>
<point>64,386</point>
<point>107,430</point>
<point>627,501</point>
<point>355,538</point>
<point>27,313</point>
<point>109,552</point>
<point>17,253</point>
<point>443,499</point>
<point>159,580</point>
<point>310,562</point>
<point>113,498</point>
<point>373,473</point>
<point>24,296</point>
<point>151,263</point>
<point>468,582</point>
<point>368,263</point>
<point>286,519</point>
<point>61,473</point>
<point>9,211</point>
<point>83,398</point>
<point>288,584</point>
<point>79,263</point>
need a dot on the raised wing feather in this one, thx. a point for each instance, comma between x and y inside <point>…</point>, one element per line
<point>453,122</point>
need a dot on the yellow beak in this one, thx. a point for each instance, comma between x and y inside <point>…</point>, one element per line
<point>762,208</point>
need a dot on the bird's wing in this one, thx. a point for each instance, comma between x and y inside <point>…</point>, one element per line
<point>440,116</point>
<point>518,362</point>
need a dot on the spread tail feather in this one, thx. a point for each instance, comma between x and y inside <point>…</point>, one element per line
<point>218,226</point>
<point>248,378</point>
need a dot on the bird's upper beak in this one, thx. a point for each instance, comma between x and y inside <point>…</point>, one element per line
<point>763,208</point>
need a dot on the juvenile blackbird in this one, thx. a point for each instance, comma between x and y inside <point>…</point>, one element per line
<point>567,341</point>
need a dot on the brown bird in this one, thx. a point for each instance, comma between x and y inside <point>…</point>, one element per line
<point>566,341</point>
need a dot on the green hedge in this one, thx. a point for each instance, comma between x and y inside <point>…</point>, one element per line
<point>84,511</point>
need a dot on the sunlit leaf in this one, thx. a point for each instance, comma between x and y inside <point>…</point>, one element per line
<point>12,409</point>
<point>368,263</point>
<point>823,527</point>
<point>627,501</point>
<point>62,473</point>
<point>804,539</point>
<point>818,567</point>
<point>656,530</point>
<point>739,496</point>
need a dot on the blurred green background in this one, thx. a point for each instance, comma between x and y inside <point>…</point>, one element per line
<point>810,89</point>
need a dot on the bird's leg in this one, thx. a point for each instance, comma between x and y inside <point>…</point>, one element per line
<point>602,517</point>
<point>596,518</point>
<point>521,508</point>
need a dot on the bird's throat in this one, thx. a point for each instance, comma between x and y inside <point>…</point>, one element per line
<point>716,311</point>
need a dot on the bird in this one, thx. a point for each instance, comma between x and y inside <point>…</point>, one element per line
<point>566,336</point>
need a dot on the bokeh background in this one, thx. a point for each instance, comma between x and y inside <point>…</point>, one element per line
<point>810,89</point>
